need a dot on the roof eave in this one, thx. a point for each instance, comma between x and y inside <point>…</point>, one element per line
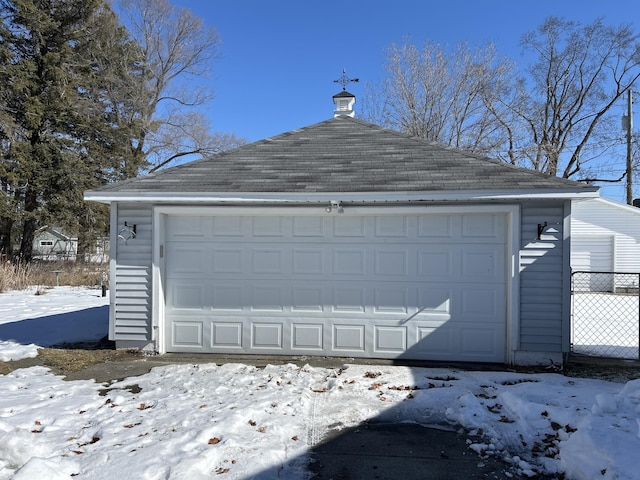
<point>302,198</point>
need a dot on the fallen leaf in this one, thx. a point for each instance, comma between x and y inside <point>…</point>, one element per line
<point>214,441</point>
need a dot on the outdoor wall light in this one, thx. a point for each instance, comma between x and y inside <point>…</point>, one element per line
<point>334,204</point>
<point>541,227</point>
<point>127,232</point>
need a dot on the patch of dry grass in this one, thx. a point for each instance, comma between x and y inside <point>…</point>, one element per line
<point>64,361</point>
<point>41,274</point>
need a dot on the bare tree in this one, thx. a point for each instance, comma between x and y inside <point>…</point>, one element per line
<point>178,51</point>
<point>441,97</point>
<point>578,75</point>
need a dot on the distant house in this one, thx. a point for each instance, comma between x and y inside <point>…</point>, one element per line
<point>344,239</point>
<point>51,242</point>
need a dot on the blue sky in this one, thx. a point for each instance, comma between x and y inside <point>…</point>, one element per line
<point>279,57</point>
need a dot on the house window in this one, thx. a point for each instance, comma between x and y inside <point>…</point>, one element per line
<point>46,243</point>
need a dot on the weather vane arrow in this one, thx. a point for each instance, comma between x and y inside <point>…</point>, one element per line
<point>344,80</point>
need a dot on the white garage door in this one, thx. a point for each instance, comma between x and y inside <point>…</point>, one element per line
<point>385,286</point>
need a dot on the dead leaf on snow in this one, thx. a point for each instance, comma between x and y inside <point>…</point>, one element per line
<point>214,441</point>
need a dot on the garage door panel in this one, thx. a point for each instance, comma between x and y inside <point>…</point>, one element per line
<point>187,260</point>
<point>484,263</point>
<point>348,299</point>
<point>307,336</point>
<point>389,339</point>
<point>435,226</point>
<point>478,343</point>
<point>349,227</point>
<point>267,298</point>
<point>188,296</point>
<point>308,261</point>
<point>436,264</point>
<point>187,333</point>
<point>412,286</point>
<point>268,226</point>
<point>188,227</point>
<point>308,298</point>
<point>391,227</point>
<point>434,300</point>
<point>348,339</point>
<point>227,260</point>
<point>227,226</point>
<point>434,342</point>
<point>392,299</point>
<point>227,297</point>
<point>266,335</point>
<point>482,227</point>
<point>391,262</point>
<point>305,227</point>
<point>226,335</point>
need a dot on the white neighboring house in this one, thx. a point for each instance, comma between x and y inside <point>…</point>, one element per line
<point>605,237</point>
<point>49,241</point>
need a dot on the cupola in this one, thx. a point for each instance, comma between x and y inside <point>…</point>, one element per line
<point>344,100</point>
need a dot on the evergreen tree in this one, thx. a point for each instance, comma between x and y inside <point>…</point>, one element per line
<point>66,70</point>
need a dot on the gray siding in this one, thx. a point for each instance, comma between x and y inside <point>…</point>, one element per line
<point>131,290</point>
<point>541,277</point>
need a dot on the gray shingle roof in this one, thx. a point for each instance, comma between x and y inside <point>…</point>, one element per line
<point>342,155</point>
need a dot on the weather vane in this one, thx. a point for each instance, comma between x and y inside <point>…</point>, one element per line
<point>344,80</point>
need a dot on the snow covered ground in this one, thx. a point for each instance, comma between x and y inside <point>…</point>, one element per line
<point>237,421</point>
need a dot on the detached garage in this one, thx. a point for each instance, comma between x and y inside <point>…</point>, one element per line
<point>344,239</point>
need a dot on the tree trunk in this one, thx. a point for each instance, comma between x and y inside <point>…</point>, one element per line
<point>30,226</point>
<point>6,249</point>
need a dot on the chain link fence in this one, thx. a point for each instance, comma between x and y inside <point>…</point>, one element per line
<point>606,314</point>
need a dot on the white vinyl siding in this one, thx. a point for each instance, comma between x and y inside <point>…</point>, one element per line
<point>542,285</point>
<point>601,218</point>
<point>131,276</point>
